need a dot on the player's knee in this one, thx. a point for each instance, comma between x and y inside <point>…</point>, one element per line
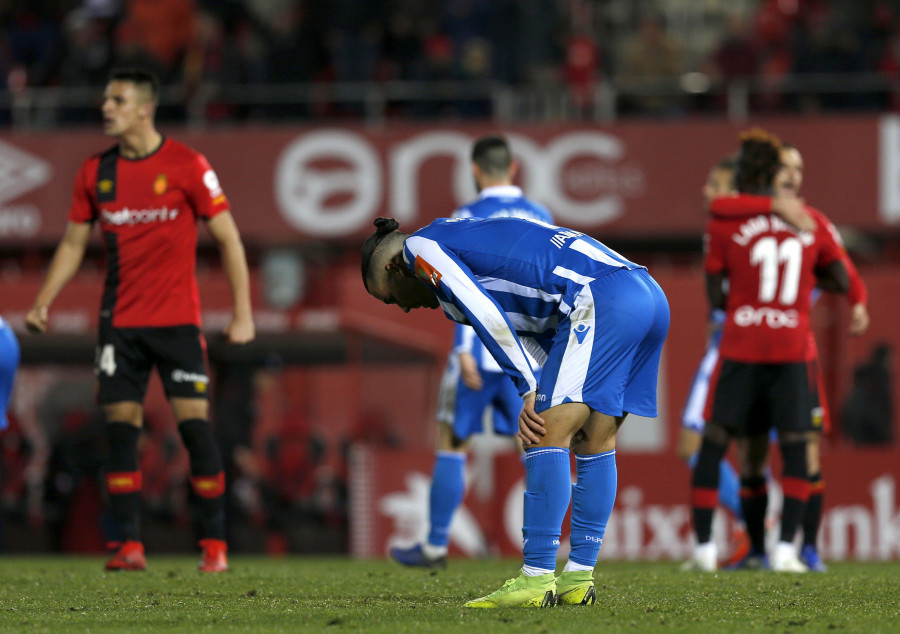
<point>127,412</point>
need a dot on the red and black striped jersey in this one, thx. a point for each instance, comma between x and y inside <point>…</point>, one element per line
<point>148,210</point>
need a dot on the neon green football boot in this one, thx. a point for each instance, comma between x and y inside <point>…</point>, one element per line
<point>575,587</point>
<point>521,592</point>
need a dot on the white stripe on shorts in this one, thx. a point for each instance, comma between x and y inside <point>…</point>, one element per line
<point>577,357</point>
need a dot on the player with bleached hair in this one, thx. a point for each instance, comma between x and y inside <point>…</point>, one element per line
<point>596,323</point>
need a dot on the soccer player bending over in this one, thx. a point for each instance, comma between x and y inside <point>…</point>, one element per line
<point>472,382</point>
<point>596,323</point>
<point>147,193</point>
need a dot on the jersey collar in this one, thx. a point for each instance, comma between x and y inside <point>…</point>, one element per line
<point>501,191</point>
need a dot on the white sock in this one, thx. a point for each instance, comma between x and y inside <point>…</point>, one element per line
<point>571,565</point>
<point>434,552</point>
<point>531,571</point>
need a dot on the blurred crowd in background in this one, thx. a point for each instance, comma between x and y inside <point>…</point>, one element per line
<point>663,57</point>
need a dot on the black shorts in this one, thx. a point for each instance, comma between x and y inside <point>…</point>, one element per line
<point>751,398</point>
<point>125,357</point>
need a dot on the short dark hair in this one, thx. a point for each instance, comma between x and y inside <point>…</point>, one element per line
<point>758,161</point>
<point>383,227</point>
<point>491,154</point>
<point>139,77</point>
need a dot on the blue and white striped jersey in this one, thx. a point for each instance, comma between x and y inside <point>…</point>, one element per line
<point>493,202</point>
<point>508,277</point>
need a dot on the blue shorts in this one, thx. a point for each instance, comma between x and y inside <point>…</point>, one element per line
<point>9,363</point>
<point>464,408</point>
<point>606,351</point>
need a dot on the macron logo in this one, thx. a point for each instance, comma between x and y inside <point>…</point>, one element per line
<point>131,217</point>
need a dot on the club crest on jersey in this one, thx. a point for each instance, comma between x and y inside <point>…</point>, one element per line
<point>581,331</point>
<point>427,273</point>
<point>105,186</point>
<point>160,185</point>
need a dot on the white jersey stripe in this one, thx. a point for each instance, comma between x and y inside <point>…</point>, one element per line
<point>596,254</point>
<point>505,286</point>
<point>578,278</point>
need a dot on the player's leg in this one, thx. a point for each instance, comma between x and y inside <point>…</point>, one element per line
<point>791,403</point>
<point>593,497</point>
<point>122,371</point>
<point>594,492</point>
<point>821,419</point>
<point>728,408</point>
<point>180,356</point>
<point>548,488</point>
<point>459,411</point>
<point>753,455</point>
<point>812,517</point>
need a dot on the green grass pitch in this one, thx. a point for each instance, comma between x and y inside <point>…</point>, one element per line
<point>68,594</point>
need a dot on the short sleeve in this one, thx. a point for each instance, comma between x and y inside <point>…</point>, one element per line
<point>204,190</point>
<point>82,208</point>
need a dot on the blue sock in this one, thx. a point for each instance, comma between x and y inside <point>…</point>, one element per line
<point>548,487</point>
<point>448,485</point>
<point>730,489</point>
<point>593,497</point>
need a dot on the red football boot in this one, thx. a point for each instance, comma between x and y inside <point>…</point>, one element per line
<point>130,556</point>
<point>214,555</point>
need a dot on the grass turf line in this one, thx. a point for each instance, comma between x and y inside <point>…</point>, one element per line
<point>69,594</point>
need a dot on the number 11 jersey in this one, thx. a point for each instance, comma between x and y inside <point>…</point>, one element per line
<point>771,270</point>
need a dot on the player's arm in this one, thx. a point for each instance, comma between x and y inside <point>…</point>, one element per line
<point>234,261</point>
<point>468,366</point>
<point>714,244</point>
<point>857,293</point>
<point>790,208</point>
<point>65,263</point>
<point>831,274</point>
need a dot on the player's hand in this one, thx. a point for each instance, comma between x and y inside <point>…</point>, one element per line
<point>793,210</point>
<point>240,331</point>
<point>859,319</point>
<point>531,425</point>
<point>468,369</point>
<point>36,319</point>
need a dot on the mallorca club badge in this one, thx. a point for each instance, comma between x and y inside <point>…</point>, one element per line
<point>160,185</point>
<point>427,273</point>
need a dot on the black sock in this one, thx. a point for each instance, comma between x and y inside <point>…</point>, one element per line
<point>123,478</point>
<point>207,476</point>
<point>813,515</point>
<point>795,483</point>
<point>754,502</point>
<point>705,488</point>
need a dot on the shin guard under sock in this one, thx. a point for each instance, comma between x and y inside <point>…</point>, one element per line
<point>123,478</point>
<point>207,476</point>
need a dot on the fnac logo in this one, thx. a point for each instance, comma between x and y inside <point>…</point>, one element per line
<point>329,182</point>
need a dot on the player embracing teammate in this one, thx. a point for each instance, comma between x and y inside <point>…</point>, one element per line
<point>764,379</point>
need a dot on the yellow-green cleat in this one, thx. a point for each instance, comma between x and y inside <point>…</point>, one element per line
<point>521,592</point>
<point>575,587</point>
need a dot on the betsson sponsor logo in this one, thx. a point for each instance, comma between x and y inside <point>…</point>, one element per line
<point>131,217</point>
<point>773,318</point>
